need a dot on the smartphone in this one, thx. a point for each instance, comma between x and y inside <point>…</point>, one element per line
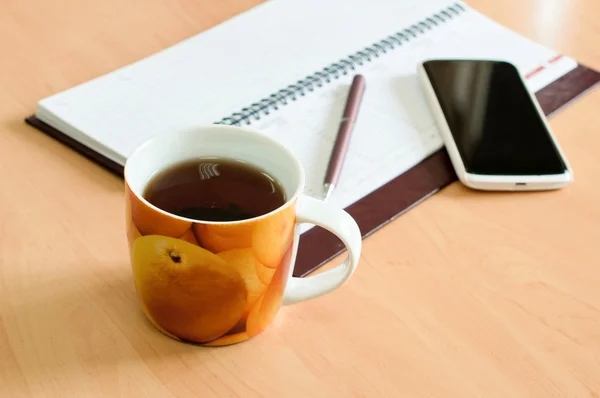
<point>494,129</point>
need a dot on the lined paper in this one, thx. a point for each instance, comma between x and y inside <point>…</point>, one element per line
<point>211,75</point>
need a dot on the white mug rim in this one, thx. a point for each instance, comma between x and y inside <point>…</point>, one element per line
<point>247,130</point>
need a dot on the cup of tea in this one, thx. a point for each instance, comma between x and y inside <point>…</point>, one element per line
<point>212,225</point>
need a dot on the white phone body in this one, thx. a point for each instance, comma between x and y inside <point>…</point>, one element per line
<point>494,182</point>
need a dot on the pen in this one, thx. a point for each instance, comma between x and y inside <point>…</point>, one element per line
<point>343,136</point>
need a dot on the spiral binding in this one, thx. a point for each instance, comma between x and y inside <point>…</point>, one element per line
<point>318,79</point>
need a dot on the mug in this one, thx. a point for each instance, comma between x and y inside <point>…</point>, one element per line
<point>219,283</point>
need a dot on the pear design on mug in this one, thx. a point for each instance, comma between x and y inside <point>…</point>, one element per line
<point>213,284</point>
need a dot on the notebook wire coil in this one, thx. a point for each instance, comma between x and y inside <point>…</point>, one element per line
<point>340,68</point>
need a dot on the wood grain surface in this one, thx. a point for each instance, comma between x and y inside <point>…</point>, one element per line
<point>467,295</point>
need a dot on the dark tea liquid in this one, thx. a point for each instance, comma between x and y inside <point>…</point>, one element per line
<point>215,190</point>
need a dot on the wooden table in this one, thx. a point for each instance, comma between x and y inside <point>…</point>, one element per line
<point>469,294</point>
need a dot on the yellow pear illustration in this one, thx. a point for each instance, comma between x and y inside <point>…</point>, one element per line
<point>188,236</point>
<point>246,264</point>
<point>272,236</point>
<point>221,237</point>
<point>266,307</point>
<point>132,232</point>
<point>265,274</point>
<point>187,290</point>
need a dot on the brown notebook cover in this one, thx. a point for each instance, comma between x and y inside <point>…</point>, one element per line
<point>318,246</point>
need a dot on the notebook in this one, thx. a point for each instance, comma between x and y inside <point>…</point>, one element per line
<point>284,68</point>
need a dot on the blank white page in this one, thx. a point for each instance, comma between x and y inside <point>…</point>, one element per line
<point>230,67</point>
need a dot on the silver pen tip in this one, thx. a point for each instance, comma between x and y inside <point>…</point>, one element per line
<point>327,190</point>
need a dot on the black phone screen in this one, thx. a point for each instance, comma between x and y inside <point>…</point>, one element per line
<point>494,123</point>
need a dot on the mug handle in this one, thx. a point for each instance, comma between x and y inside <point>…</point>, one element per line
<point>338,222</point>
